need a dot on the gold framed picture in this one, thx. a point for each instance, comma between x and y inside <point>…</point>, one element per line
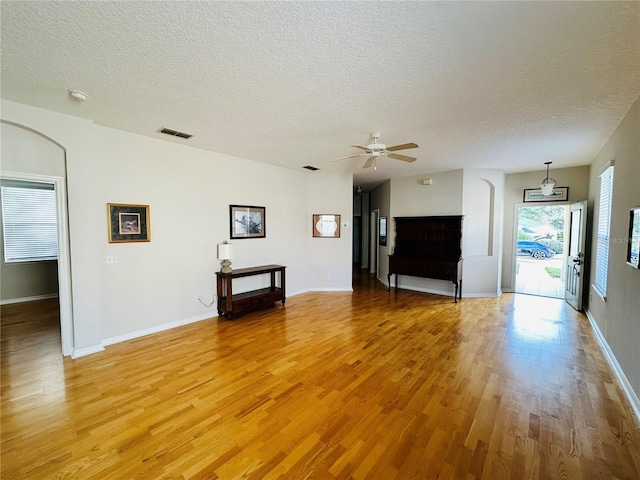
<point>128,223</point>
<point>326,226</point>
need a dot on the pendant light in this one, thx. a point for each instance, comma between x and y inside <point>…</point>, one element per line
<point>548,183</point>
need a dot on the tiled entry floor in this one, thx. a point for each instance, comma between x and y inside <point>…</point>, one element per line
<point>533,279</point>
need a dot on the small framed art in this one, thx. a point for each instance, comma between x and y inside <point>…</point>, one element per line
<point>128,223</point>
<point>559,194</point>
<point>633,250</point>
<point>383,231</point>
<point>247,221</point>
<point>326,226</point>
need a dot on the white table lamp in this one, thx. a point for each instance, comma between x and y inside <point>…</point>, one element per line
<point>225,253</point>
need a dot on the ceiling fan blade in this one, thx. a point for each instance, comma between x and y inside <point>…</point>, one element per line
<point>404,146</point>
<point>369,162</point>
<point>404,158</point>
<point>361,147</point>
<point>352,156</point>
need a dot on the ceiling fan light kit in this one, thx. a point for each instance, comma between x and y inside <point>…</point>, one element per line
<point>377,149</point>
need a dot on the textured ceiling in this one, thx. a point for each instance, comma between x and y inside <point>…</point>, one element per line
<point>505,85</point>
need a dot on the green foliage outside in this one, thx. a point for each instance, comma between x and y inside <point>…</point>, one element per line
<point>554,216</point>
<point>553,272</point>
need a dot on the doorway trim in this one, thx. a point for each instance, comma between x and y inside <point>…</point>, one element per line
<point>64,258</point>
<point>373,264</point>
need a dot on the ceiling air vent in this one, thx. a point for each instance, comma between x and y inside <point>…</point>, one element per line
<point>175,133</point>
<point>312,168</point>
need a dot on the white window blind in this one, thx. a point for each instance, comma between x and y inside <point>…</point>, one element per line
<point>29,222</point>
<point>603,226</point>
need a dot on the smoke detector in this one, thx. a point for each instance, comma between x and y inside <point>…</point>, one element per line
<point>78,95</point>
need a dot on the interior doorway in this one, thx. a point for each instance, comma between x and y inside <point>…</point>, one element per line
<point>541,249</point>
<point>25,143</point>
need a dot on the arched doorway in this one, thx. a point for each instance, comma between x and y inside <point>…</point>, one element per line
<point>29,156</point>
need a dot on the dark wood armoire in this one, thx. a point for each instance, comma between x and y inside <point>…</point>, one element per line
<point>428,247</point>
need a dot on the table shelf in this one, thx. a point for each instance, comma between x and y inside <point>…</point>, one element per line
<point>230,303</point>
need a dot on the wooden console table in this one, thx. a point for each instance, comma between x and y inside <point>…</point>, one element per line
<point>230,303</point>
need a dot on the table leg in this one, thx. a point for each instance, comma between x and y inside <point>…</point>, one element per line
<point>282,286</point>
<point>229,293</point>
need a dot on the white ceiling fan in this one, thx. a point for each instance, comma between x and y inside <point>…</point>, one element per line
<point>376,149</point>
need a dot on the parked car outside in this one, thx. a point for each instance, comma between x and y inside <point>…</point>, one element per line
<point>534,249</point>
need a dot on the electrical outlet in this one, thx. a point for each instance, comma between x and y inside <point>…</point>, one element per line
<point>112,259</point>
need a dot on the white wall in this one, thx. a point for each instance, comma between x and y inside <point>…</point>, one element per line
<point>482,206</point>
<point>189,192</point>
<point>330,194</point>
<point>409,197</point>
<point>618,319</point>
<point>26,151</point>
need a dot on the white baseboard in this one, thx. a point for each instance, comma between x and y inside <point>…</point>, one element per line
<point>81,352</point>
<point>617,369</point>
<point>446,293</point>
<point>482,295</point>
<point>156,329</point>
<point>324,289</point>
<point>9,301</point>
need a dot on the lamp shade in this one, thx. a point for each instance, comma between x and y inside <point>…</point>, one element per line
<point>225,251</point>
<point>548,184</point>
<point>547,188</point>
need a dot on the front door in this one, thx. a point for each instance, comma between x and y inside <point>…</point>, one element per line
<point>574,274</point>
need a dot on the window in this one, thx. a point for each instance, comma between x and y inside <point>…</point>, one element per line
<point>603,226</point>
<point>29,221</point>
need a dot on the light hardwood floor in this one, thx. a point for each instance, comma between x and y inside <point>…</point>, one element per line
<point>335,385</point>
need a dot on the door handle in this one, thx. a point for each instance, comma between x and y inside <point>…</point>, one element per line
<point>576,260</point>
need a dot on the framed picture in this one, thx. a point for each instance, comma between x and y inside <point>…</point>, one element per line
<point>247,222</point>
<point>633,250</point>
<point>128,223</point>
<point>535,195</point>
<point>326,226</point>
<point>383,231</point>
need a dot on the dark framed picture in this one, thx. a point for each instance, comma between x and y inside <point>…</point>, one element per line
<point>326,225</point>
<point>383,231</point>
<point>128,223</point>
<point>559,194</point>
<point>633,250</point>
<point>247,221</point>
